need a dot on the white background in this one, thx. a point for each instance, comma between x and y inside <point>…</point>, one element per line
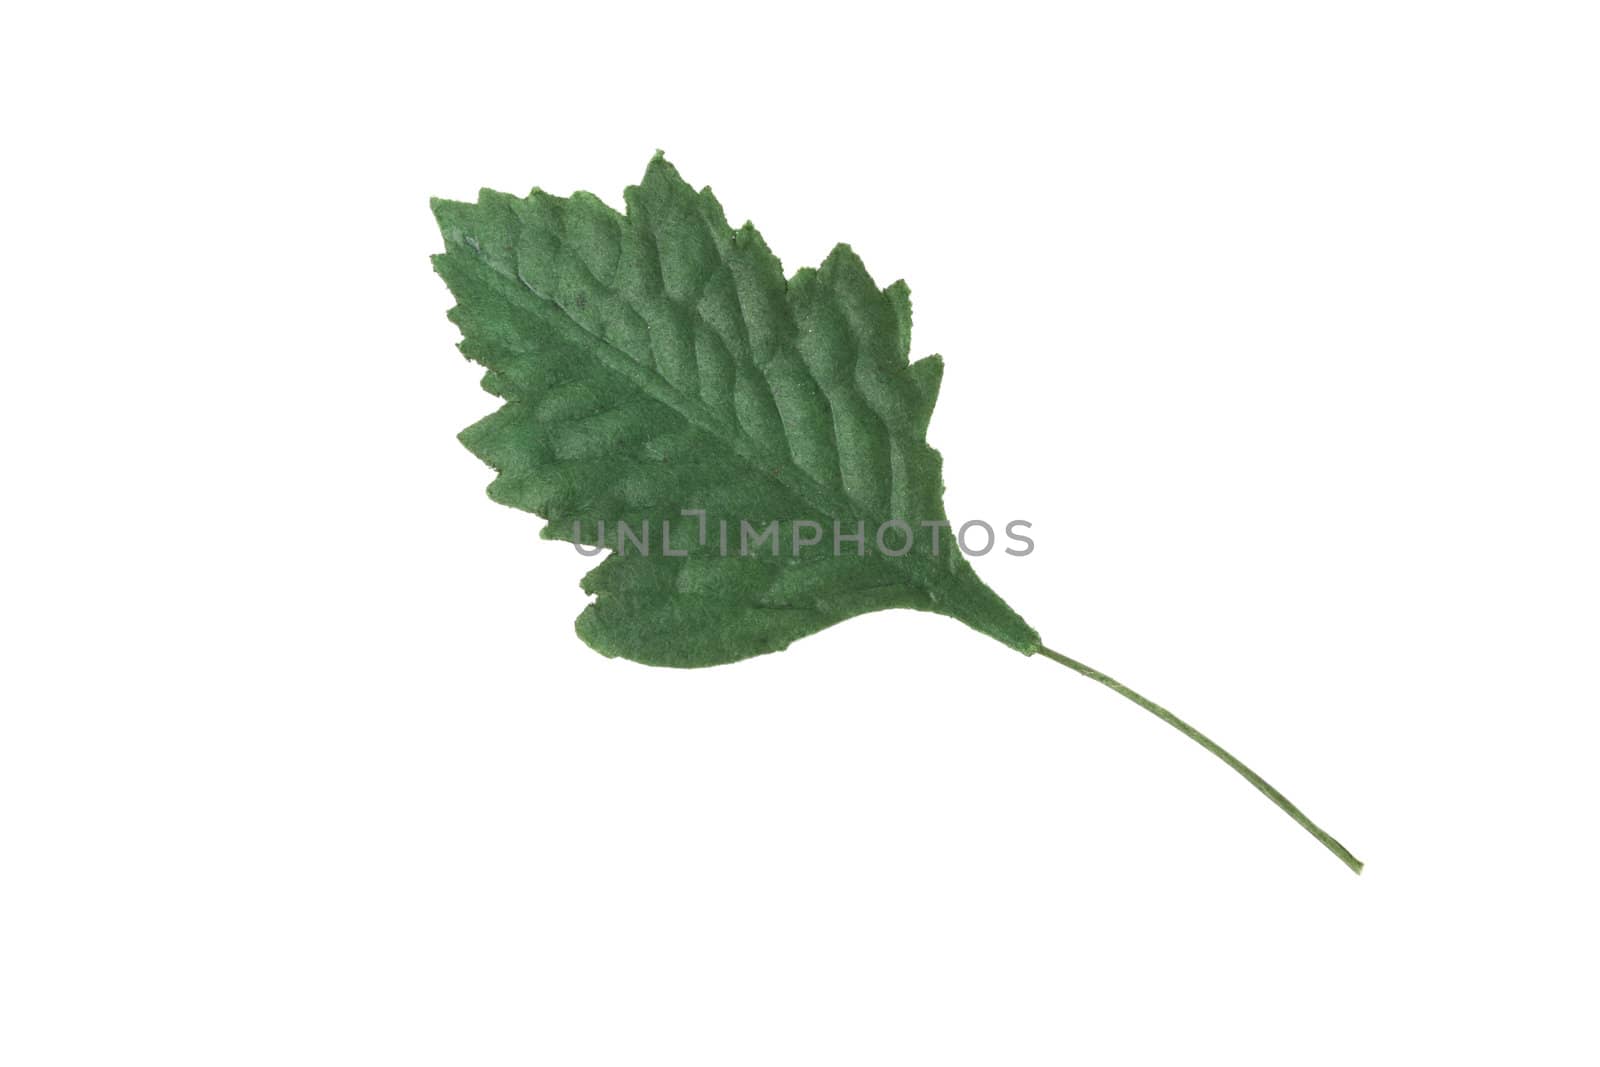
<point>1279,321</point>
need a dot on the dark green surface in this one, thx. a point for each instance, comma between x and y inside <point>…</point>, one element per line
<point>659,361</point>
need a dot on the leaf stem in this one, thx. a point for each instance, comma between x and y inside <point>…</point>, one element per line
<point>1215,749</point>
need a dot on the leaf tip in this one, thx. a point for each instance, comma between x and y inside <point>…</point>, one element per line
<point>660,167</point>
<point>841,255</point>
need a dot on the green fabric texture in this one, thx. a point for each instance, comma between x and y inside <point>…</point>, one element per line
<point>657,362</point>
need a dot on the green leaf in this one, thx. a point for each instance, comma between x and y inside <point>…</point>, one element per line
<point>659,361</point>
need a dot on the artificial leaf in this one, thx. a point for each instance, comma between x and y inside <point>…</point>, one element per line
<point>658,362</point>
<point>740,441</point>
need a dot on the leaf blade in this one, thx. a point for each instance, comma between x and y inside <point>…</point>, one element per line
<point>659,360</point>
